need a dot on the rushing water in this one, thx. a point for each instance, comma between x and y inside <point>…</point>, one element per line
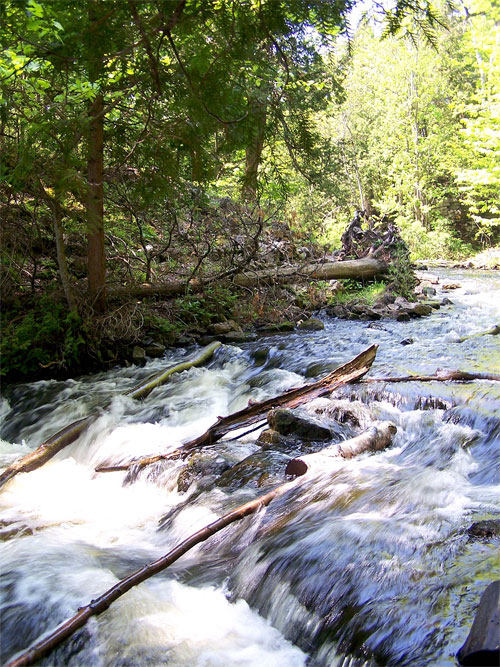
<point>367,564</point>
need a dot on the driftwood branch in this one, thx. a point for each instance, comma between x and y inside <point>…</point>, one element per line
<point>494,331</point>
<point>364,442</point>
<point>375,439</point>
<point>70,433</point>
<point>349,372</point>
<point>440,376</point>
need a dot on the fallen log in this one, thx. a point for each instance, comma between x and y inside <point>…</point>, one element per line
<point>158,379</point>
<point>375,439</point>
<point>440,376</point>
<point>70,433</point>
<point>494,331</point>
<point>350,372</point>
<point>356,268</point>
<point>101,603</point>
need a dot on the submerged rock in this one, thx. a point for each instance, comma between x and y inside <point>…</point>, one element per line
<point>485,528</point>
<point>259,469</point>
<point>482,646</point>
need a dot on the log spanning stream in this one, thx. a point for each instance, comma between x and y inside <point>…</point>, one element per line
<point>366,563</point>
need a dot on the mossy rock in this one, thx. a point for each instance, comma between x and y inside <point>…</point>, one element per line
<point>312,324</point>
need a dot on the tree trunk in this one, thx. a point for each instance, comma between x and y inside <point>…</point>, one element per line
<point>100,604</point>
<point>61,256</point>
<point>96,260</point>
<point>253,153</point>
<point>355,268</point>
<point>95,206</point>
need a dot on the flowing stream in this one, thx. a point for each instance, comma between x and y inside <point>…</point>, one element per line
<point>367,564</point>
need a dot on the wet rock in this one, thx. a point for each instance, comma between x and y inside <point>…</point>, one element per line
<point>286,422</point>
<point>338,311</point>
<point>200,466</point>
<point>446,302</point>
<point>485,528</point>
<point>206,340</point>
<point>482,646</point>
<point>220,328</point>
<point>238,337</point>
<point>451,286</point>
<point>155,350</point>
<point>184,341</point>
<point>429,291</point>
<point>265,466</point>
<point>435,305</point>
<point>270,437</point>
<point>371,313</point>
<point>312,324</point>
<point>139,355</point>
<point>407,341</point>
<point>279,327</point>
<point>403,317</point>
<point>260,356</point>
<point>419,309</point>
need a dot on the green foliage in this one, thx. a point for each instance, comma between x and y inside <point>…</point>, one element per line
<point>214,304</point>
<point>354,290</point>
<point>400,274</point>
<point>45,336</point>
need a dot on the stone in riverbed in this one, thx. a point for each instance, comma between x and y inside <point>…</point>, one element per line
<point>482,646</point>
<point>238,337</point>
<point>220,328</point>
<point>155,350</point>
<point>312,324</point>
<point>485,528</point>
<point>419,309</point>
<point>138,355</point>
<point>286,422</point>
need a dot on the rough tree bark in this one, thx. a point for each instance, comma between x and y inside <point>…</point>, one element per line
<point>61,255</point>
<point>349,372</point>
<point>70,433</point>
<point>100,604</point>
<point>96,258</point>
